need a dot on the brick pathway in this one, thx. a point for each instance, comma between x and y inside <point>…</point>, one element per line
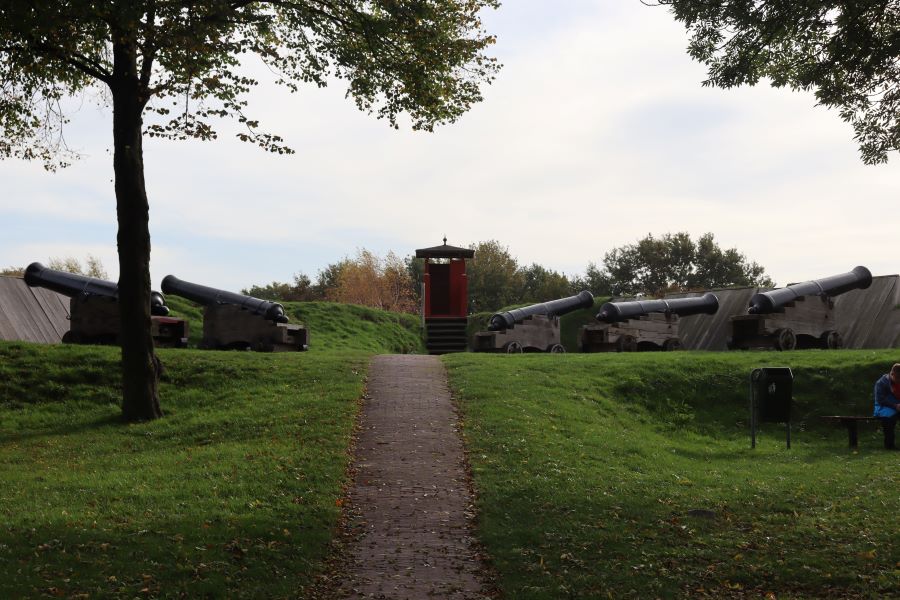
<point>410,490</point>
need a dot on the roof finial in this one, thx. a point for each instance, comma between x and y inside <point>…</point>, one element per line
<point>445,239</point>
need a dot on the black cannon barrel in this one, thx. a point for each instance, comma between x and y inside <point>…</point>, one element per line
<point>561,306</point>
<point>767,302</point>
<point>72,284</point>
<point>613,312</point>
<point>208,296</point>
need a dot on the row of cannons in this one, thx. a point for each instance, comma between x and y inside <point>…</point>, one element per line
<point>797,316</point>
<point>230,321</point>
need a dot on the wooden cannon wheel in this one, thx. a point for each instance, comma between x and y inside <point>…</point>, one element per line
<point>556,349</point>
<point>785,339</point>
<point>513,348</point>
<point>831,340</point>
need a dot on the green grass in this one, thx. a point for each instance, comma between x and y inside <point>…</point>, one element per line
<point>335,326</point>
<point>631,476</point>
<point>193,313</point>
<point>587,469</point>
<point>331,326</point>
<point>232,494</point>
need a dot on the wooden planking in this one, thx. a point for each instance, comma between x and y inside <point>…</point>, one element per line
<point>654,329</point>
<point>535,332</point>
<point>56,309</point>
<point>7,329</point>
<point>808,316</point>
<point>858,310</point>
<point>225,325</point>
<point>867,318</point>
<point>711,332</point>
<point>891,332</point>
<point>26,318</point>
<point>39,318</point>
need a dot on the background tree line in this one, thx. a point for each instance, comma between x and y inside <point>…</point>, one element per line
<point>93,267</point>
<point>367,279</point>
<point>651,266</point>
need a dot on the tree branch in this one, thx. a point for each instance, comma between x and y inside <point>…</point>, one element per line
<point>82,63</point>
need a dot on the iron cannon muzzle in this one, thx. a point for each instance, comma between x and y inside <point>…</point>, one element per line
<point>158,304</point>
<point>772,301</point>
<point>72,284</point>
<point>508,319</point>
<point>614,312</point>
<point>208,296</point>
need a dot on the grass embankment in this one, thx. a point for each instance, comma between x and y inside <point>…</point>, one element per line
<point>232,494</point>
<point>608,475</point>
<point>331,326</point>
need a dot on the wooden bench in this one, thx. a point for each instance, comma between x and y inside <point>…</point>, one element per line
<point>851,424</point>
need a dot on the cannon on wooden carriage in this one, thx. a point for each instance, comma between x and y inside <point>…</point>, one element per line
<point>630,326</point>
<point>800,315</point>
<point>533,328</point>
<point>94,308</point>
<point>234,321</point>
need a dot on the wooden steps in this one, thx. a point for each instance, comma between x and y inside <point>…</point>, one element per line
<point>445,335</point>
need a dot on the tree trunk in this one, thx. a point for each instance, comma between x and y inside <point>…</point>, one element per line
<point>140,366</point>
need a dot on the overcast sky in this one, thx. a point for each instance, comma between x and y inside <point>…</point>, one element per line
<point>596,132</point>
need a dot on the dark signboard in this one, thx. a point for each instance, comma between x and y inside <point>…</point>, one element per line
<point>771,398</point>
<point>773,389</point>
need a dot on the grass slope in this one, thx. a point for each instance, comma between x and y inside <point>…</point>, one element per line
<point>232,494</point>
<point>335,326</point>
<point>332,326</point>
<point>609,475</point>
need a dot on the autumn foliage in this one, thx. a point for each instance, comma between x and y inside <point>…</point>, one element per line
<point>369,280</point>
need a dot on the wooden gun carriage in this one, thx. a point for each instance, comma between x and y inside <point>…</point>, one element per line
<point>94,309</point>
<point>642,324</point>
<point>797,316</point>
<point>533,328</point>
<point>237,322</point>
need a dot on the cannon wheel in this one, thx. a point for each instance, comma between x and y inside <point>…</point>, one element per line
<point>513,348</point>
<point>831,340</point>
<point>556,349</point>
<point>672,344</point>
<point>785,339</point>
<point>626,343</point>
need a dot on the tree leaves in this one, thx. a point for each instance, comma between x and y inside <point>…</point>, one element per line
<point>424,58</point>
<point>846,52</point>
<point>673,262</point>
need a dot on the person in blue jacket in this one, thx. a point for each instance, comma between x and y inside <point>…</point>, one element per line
<point>887,404</point>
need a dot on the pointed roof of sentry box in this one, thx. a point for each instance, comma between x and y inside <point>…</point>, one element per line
<point>445,251</point>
